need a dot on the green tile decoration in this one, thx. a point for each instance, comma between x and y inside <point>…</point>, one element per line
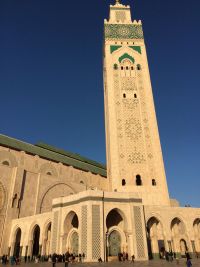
<point>123,31</point>
<point>114,48</point>
<point>126,56</point>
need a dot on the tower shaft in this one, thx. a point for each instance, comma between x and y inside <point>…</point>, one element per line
<point>134,156</point>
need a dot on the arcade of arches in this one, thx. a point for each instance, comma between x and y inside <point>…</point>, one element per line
<point>158,243</point>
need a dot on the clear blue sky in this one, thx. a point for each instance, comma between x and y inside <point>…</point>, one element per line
<point>51,78</point>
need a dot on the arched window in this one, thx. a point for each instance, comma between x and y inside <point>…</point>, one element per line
<point>115,67</point>
<point>124,95</point>
<point>49,173</point>
<point>122,67</point>
<point>132,68</point>
<point>81,182</point>
<point>139,67</point>
<point>6,163</point>
<point>138,180</point>
<point>135,95</point>
<point>123,182</point>
<point>126,67</point>
<point>153,182</point>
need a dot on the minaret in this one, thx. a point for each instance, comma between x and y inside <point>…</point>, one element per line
<point>134,156</point>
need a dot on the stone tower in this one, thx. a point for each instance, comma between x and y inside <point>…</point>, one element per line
<point>134,156</point>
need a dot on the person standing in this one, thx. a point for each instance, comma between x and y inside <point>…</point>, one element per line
<point>132,258</point>
<point>188,262</point>
<point>54,260</point>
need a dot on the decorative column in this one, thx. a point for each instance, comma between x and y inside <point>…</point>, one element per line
<point>12,248</point>
<point>30,248</point>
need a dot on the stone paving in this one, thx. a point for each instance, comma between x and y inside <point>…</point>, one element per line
<point>156,263</point>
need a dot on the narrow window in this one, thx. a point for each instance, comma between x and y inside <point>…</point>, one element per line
<point>138,180</point>
<point>124,95</point>
<point>127,68</point>
<point>132,68</point>
<point>135,95</point>
<point>122,67</point>
<point>115,66</point>
<point>123,182</point>
<point>138,67</point>
<point>153,182</point>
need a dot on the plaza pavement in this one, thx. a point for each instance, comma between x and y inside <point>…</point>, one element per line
<point>156,263</point>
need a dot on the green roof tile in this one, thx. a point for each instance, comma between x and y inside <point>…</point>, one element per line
<point>58,155</point>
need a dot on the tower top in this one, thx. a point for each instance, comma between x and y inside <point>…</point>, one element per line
<point>117,2</point>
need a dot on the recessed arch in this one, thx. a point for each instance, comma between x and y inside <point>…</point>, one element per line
<point>155,238</point>
<point>6,163</point>
<point>36,240</point>
<point>54,191</point>
<point>17,242</point>
<point>8,157</point>
<point>116,217</point>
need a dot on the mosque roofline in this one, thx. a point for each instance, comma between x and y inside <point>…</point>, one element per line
<point>55,154</point>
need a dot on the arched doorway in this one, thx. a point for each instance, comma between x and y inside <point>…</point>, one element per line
<point>178,237</point>
<point>74,242</point>
<point>71,236</point>
<point>36,240</point>
<point>17,251</point>
<point>114,243</point>
<point>155,238</point>
<point>183,247</point>
<point>116,240</point>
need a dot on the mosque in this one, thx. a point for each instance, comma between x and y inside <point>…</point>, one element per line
<point>53,201</point>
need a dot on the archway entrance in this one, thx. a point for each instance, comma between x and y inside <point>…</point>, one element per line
<point>116,240</point>
<point>71,238</point>
<point>36,239</point>
<point>114,243</point>
<point>74,241</point>
<point>17,243</point>
<point>183,247</point>
<point>155,238</point>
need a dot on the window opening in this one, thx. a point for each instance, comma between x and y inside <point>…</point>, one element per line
<point>123,182</point>
<point>49,173</point>
<point>132,68</point>
<point>153,182</point>
<point>122,67</point>
<point>124,95</point>
<point>138,180</point>
<point>115,66</point>
<point>135,95</point>
<point>6,163</point>
<point>139,67</point>
<point>127,68</point>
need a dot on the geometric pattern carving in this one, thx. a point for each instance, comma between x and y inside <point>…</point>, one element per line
<point>125,31</point>
<point>133,128</point>
<point>120,15</point>
<point>139,232</point>
<point>54,231</point>
<point>129,120</point>
<point>96,245</point>
<point>84,230</point>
